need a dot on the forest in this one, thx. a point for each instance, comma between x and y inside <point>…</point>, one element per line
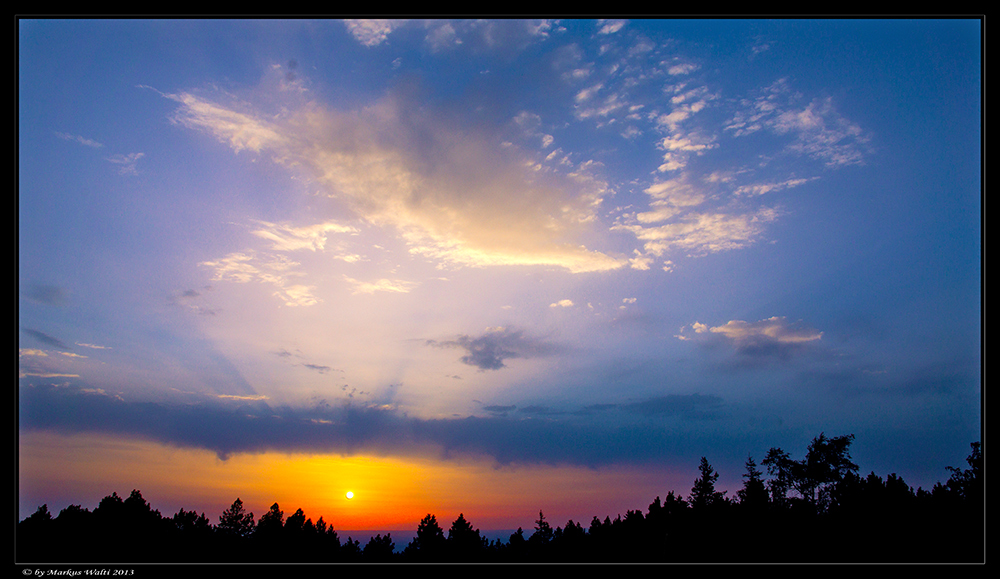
<point>817,509</point>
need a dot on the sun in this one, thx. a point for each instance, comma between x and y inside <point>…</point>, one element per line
<point>350,494</point>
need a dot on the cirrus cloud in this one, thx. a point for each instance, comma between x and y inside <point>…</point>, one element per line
<point>453,195</point>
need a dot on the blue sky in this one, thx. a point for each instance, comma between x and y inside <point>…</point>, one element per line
<point>588,243</point>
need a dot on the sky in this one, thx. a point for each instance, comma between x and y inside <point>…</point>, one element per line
<point>490,267</point>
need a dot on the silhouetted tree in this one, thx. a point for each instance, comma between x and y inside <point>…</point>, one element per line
<point>350,551</point>
<point>827,461</point>
<point>753,495</point>
<point>543,531</point>
<point>192,524</point>
<point>465,542</point>
<point>236,521</point>
<point>967,483</point>
<point>517,546</point>
<point>703,493</point>
<point>781,467</point>
<point>379,549</point>
<point>429,543</point>
<point>272,522</point>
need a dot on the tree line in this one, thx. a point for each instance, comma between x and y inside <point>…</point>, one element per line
<point>815,509</point>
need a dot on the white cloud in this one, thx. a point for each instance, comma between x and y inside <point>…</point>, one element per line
<point>290,238</point>
<point>127,163</point>
<point>704,232</point>
<point>82,140</point>
<point>382,285</point>
<point>562,304</point>
<point>372,32</point>
<point>610,26</point>
<point>276,270</point>
<point>453,195</point>
<point>818,130</point>
<point>771,337</point>
<point>775,328</point>
<point>763,188</point>
<point>684,68</point>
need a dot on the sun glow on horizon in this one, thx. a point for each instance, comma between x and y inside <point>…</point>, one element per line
<point>397,492</point>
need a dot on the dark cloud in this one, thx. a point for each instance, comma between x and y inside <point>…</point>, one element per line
<point>688,406</point>
<point>490,350</point>
<point>47,294</point>
<point>47,339</point>
<point>318,368</point>
<point>235,426</point>
<point>542,410</point>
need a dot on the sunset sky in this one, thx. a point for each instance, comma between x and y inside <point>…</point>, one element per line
<point>490,267</point>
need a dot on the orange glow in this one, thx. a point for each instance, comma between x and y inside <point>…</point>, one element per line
<point>389,493</point>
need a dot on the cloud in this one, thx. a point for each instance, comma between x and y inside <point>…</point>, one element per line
<point>47,294</point>
<point>46,339</point>
<point>93,346</point>
<point>372,32</point>
<point>683,68</point>
<point>290,238</point>
<point>772,337</point>
<point>277,270</point>
<point>230,424</point>
<point>82,140</point>
<point>610,26</point>
<point>690,406</point>
<point>382,285</point>
<point>454,195</point>
<point>764,188</point>
<point>817,129</point>
<point>126,163</point>
<point>491,349</point>
<point>703,233</point>
<point>562,304</point>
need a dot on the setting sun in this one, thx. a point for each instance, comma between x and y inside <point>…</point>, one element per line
<point>350,494</point>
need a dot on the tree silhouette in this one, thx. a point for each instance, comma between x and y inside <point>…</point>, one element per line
<point>543,531</point>
<point>832,514</point>
<point>465,542</point>
<point>753,495</point>
<point>272,522</point>
<point>429,544</point>
<point>235,521</point>
<point>703,493</point>
<point>967,483</point>
<point>827,461</point>
<point>379,549</point>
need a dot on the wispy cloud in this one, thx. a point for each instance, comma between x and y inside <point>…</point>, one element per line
<point>277,270</point>
<point>47,339</point>
<point>286,237</point>
<point>703,233</point>
<point>82,140</point>
<point>126,163</point>
<point>454,195</point>
<point>381,285</point>
<point>817,129</point>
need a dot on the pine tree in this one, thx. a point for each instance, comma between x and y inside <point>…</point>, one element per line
<point>703,493</point>
<point>235,521</point>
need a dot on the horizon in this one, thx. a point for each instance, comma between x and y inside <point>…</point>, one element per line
<point>490,266</point>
